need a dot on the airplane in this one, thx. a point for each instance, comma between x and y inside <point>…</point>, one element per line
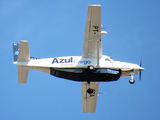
<point>90,69</point>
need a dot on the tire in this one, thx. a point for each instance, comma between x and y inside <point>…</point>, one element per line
<point>91,67</point>
<point>132,81</point>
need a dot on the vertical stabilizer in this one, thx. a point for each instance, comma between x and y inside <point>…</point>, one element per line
<point>15,51</point>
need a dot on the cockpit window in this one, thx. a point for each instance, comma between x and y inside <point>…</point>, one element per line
<point>112,59</point>
<point>106,59</point>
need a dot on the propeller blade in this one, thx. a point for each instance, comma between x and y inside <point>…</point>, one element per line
<point>141,63</point>
<point>140,76</point>
<point>140,71</point>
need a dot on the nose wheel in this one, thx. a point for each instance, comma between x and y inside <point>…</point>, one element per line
<point>132,81</point>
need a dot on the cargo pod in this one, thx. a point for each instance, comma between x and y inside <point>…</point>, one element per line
<point>83,75</point>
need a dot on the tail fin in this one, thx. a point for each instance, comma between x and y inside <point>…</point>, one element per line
<point>16,47</point>
<point>21,53</point>
<point>15,51</point>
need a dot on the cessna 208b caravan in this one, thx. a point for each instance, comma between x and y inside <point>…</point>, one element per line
<point>90,68</point>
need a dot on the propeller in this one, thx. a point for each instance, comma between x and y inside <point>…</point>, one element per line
<point>139,76</point>
<point>140,69</point>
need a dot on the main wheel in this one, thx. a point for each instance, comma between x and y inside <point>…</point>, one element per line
<point>132,81</point>
<point>90,67</point>
<point>90,91</point>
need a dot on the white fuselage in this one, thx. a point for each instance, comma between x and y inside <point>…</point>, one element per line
<point>128,69</point>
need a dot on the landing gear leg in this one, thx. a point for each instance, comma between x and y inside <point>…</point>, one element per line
<point>89,84</point>
<point>132,81</point>
<point>89,90</point>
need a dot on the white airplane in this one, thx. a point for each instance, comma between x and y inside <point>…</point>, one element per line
<point>90,68</point>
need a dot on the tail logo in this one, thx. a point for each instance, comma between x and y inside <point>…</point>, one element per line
<point>16,52</point>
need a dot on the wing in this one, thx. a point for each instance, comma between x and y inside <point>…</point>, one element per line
<point>92,33</point>
<point>89,100</point>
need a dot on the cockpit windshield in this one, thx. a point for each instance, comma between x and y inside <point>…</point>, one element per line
<point>112,58</point>
<point>109,59</point>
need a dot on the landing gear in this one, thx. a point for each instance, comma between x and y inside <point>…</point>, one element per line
<point>90,67</point>
<point>132,81</point>
<point>90,91</point>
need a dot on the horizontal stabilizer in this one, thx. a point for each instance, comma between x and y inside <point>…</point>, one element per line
<point>22,74</point>
<point>24,54</point>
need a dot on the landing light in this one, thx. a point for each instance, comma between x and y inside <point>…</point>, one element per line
<point>103,32</point>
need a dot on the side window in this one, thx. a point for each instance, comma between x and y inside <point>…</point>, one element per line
<point>106,59</point>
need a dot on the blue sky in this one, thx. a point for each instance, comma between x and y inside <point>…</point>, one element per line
<point>56,28</point>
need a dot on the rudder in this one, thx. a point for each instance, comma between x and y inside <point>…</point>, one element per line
<point>15,51</point>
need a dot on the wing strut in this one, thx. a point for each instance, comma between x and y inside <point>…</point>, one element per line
<point>97,53</point>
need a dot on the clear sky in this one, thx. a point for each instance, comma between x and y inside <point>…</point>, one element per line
<point>56,28</point>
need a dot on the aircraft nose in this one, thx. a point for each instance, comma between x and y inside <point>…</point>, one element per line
<point>141,69</point>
